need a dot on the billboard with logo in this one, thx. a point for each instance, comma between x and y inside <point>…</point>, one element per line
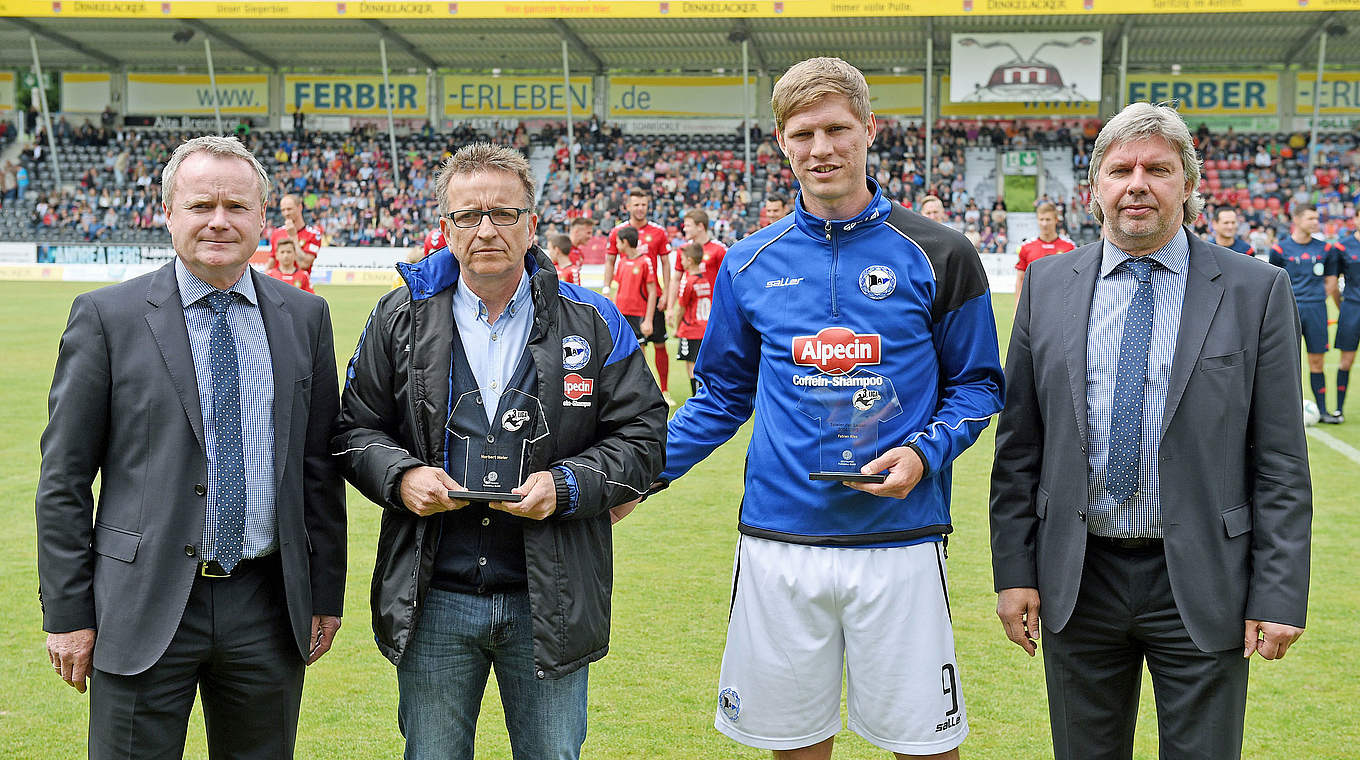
<point>1012,68</point>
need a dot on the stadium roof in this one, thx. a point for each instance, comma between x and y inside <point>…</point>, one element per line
<point>1195,41</point>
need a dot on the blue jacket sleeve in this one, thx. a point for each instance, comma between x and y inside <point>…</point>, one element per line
<point>971,383</point>
<point>729,362</point>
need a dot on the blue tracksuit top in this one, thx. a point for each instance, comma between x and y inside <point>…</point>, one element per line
<point>883,321</point>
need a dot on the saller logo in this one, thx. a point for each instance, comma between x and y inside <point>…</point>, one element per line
<point>836,350</point>
<point>575,386</point>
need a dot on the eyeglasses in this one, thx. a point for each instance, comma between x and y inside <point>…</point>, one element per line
<point>470,217</point>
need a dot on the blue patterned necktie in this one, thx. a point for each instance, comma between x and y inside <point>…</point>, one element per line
<point>1126,413</point>
<point>231,465</point>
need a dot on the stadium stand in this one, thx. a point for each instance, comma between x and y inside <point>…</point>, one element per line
<point>111,191</point>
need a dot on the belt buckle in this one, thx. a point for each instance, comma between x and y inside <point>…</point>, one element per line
<point>204,571</point>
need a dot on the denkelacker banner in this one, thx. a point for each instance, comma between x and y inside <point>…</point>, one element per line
<point>553,9</point>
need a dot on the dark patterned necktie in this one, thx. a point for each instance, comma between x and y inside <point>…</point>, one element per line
<point>1126,413</point>
<point>231,466</point>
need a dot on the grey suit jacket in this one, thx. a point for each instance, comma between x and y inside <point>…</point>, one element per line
<point>124,404</point>
<point>1235,492</point>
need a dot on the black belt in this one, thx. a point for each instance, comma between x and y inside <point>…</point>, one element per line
<point>1130,545</point>
<point>213,571</point>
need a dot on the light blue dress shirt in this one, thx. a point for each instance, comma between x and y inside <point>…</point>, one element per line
<point>1141,515</point>
<point>256,373</point>
<point>493,350</point>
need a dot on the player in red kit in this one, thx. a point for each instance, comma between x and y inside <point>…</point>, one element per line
<point>1048,243</point>
<point>580,230</point>
<point>286,269</point>
<point>434,240</point>
<point>695,228</point>
<point>305,236</point>
<point>559,250</point>
<point>692,308</point>
<point>651,242</point>
<point>635,291</point>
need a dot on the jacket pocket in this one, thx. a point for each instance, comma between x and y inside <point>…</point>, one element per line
<point>115,542</point>
<point>1237,520</point>
<point>1223,361</point>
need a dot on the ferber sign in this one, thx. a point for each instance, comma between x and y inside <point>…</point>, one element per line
<point>192,94</point>
<point>1206,94</point>
<point>354,95</point>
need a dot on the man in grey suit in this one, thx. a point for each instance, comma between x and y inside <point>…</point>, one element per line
<point>1151,481</point>
<point>203,395</point>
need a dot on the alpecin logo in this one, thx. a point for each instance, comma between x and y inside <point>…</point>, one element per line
<point>836,350</point>
<point>575,386</point>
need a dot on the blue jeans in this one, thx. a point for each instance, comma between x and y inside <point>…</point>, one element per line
<point>442,676</point>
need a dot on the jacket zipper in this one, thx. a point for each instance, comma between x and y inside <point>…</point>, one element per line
<point>835,255</point>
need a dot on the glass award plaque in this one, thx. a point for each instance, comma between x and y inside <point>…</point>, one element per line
<point>490,460</point>
<point>848,409</point>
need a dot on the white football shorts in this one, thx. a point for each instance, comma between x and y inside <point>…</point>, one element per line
<point>801,613</point>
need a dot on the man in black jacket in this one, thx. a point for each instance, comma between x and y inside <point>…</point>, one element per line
<point>486,374</point>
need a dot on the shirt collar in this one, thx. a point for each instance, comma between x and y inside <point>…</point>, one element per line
<point>469,303</point>
<point>192,290</point>
<point>1174,255</point>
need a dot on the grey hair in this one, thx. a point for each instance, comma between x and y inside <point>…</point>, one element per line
<point>479,158</point>
<point>1143,121</point>
<point>217,145</point>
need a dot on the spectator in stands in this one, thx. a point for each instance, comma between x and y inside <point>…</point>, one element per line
<point>932,208</point>
<point>776,207</point>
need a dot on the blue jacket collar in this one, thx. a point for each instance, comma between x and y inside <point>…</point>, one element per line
<point>439,271</point>
<point>814,226</point>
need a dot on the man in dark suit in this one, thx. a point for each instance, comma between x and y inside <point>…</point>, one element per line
<point>1151,478</point>
<point>203,394</point>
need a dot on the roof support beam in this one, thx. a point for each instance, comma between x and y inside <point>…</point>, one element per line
<point>65,41</point>
<point>1307,39</point>
<point>740,27</point>
<point>1112,42</point>
<point>401,42</point>
<point>578,43</point>
<point>226,39</point>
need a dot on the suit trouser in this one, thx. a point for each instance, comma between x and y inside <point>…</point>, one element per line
<point>236,647</point>
<point>1126,614</point>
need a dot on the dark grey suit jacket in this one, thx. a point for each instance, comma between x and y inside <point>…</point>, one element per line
<point>124,404</point>
<point>1235,492</point>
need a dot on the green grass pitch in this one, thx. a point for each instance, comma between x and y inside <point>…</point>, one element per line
<point>654,695</point>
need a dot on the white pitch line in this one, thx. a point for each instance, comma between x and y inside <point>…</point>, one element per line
<point>1335,444</point>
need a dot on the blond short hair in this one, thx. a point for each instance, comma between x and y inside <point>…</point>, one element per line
<point>811,80</point>
<point>1046,207</point>
<point>219,146</point>
<point>479,158</point>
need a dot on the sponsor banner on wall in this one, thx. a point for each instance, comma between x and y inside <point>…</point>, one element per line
<point>17,253</point>
<point>1029,109</point>
<point>345,95</point>
<point>519,97</point>
<point>103,254</point>
<point>674,127</point>
<point>192,94</point>
<point>1340,93</point>
<point>1000,268</point>
<point>30,272</point>
<point>645,96</point>
<point>85,91</point>
<point>894,95</point>
<point>7,101</point>
<point>980,175</point>
<point>1243,94</point>
<point>1061,67</point>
